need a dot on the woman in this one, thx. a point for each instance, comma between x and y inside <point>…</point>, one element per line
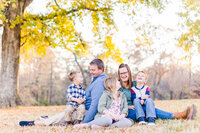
<point>126,81</point>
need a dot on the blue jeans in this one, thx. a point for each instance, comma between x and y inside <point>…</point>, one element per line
<point>159,114</point>
<point>150,108</point>
<point>163,114</point>
<point>131,114</point>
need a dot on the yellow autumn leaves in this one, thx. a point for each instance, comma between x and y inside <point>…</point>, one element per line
<point>112,51</point>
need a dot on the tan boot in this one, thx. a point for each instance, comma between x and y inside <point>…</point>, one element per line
<point>181,115</point>
<point>188,114</point>
<point>192,112</point>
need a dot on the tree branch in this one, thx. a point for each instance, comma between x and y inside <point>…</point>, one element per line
<point>1,25</point>
<point>64,12</point>
<point>57,4</point>
<point>25,40</point>
<point>23,43</point>
<point>27,3</point>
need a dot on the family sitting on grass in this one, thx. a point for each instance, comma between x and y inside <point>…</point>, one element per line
<point>110,101</point>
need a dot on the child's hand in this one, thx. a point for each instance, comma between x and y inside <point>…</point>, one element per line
<point>131,107</point>
<point>82,100</point>
<point>79,101</point>
<point>122,116</point>
<point>142,102</point>
<point>145,97</point>
<point>118,117</point>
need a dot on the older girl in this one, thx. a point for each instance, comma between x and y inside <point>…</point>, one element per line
<point>112,107</point>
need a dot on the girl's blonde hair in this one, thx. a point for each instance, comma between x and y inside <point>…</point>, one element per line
<point>146,75</point>
<point>110,85</point>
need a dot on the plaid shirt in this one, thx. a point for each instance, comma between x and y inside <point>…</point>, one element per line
<point>74,91</point>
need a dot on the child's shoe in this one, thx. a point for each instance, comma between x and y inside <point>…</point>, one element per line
<point>142,121</point>
<point>26,123</point>
<point>77,122</point>
<point>66,123</point>
<point>151,121</point>
<point>43,117</point>
<point>151,124</point>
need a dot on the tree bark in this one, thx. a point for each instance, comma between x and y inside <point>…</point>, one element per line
<point>10,55</point>
<point>9,66</point>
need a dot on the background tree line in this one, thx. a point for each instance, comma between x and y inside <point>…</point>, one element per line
<point>31,69</point>
<point>45,82</point>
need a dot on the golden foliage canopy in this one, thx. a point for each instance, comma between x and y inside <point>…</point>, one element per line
<point>56,28</point>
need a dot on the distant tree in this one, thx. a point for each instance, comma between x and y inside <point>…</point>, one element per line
<point>156,73</point>
<point>190,39</point>
<point>40,84</point>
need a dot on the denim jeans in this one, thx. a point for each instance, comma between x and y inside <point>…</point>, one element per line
<point>131,114</point>
<point>159,114</point>
<point>150,108</point>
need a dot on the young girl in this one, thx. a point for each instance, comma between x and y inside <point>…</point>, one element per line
<point>112,107</point>
<point>141,98</point>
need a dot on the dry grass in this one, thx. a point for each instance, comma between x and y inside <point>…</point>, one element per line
<point>9,119</point>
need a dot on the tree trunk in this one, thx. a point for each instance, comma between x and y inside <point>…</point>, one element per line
<point>51,83</point>
<point>9,67</point>
<point>10,55</point>
<point>171,93</point>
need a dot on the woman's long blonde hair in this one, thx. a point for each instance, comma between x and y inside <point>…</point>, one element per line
<point>110,85</point>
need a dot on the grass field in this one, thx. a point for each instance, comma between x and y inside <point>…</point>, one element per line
<point>9,119</point>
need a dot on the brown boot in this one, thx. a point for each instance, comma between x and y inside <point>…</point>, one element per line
<point>181,115</point>
<point>192,112</point>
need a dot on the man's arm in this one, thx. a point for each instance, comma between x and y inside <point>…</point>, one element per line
<point>96,93</point>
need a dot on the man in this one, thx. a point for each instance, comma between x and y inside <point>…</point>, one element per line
<point>94,90</point>
<point>93,93</point>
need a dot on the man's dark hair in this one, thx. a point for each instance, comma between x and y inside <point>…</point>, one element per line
<point>98,62</point>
